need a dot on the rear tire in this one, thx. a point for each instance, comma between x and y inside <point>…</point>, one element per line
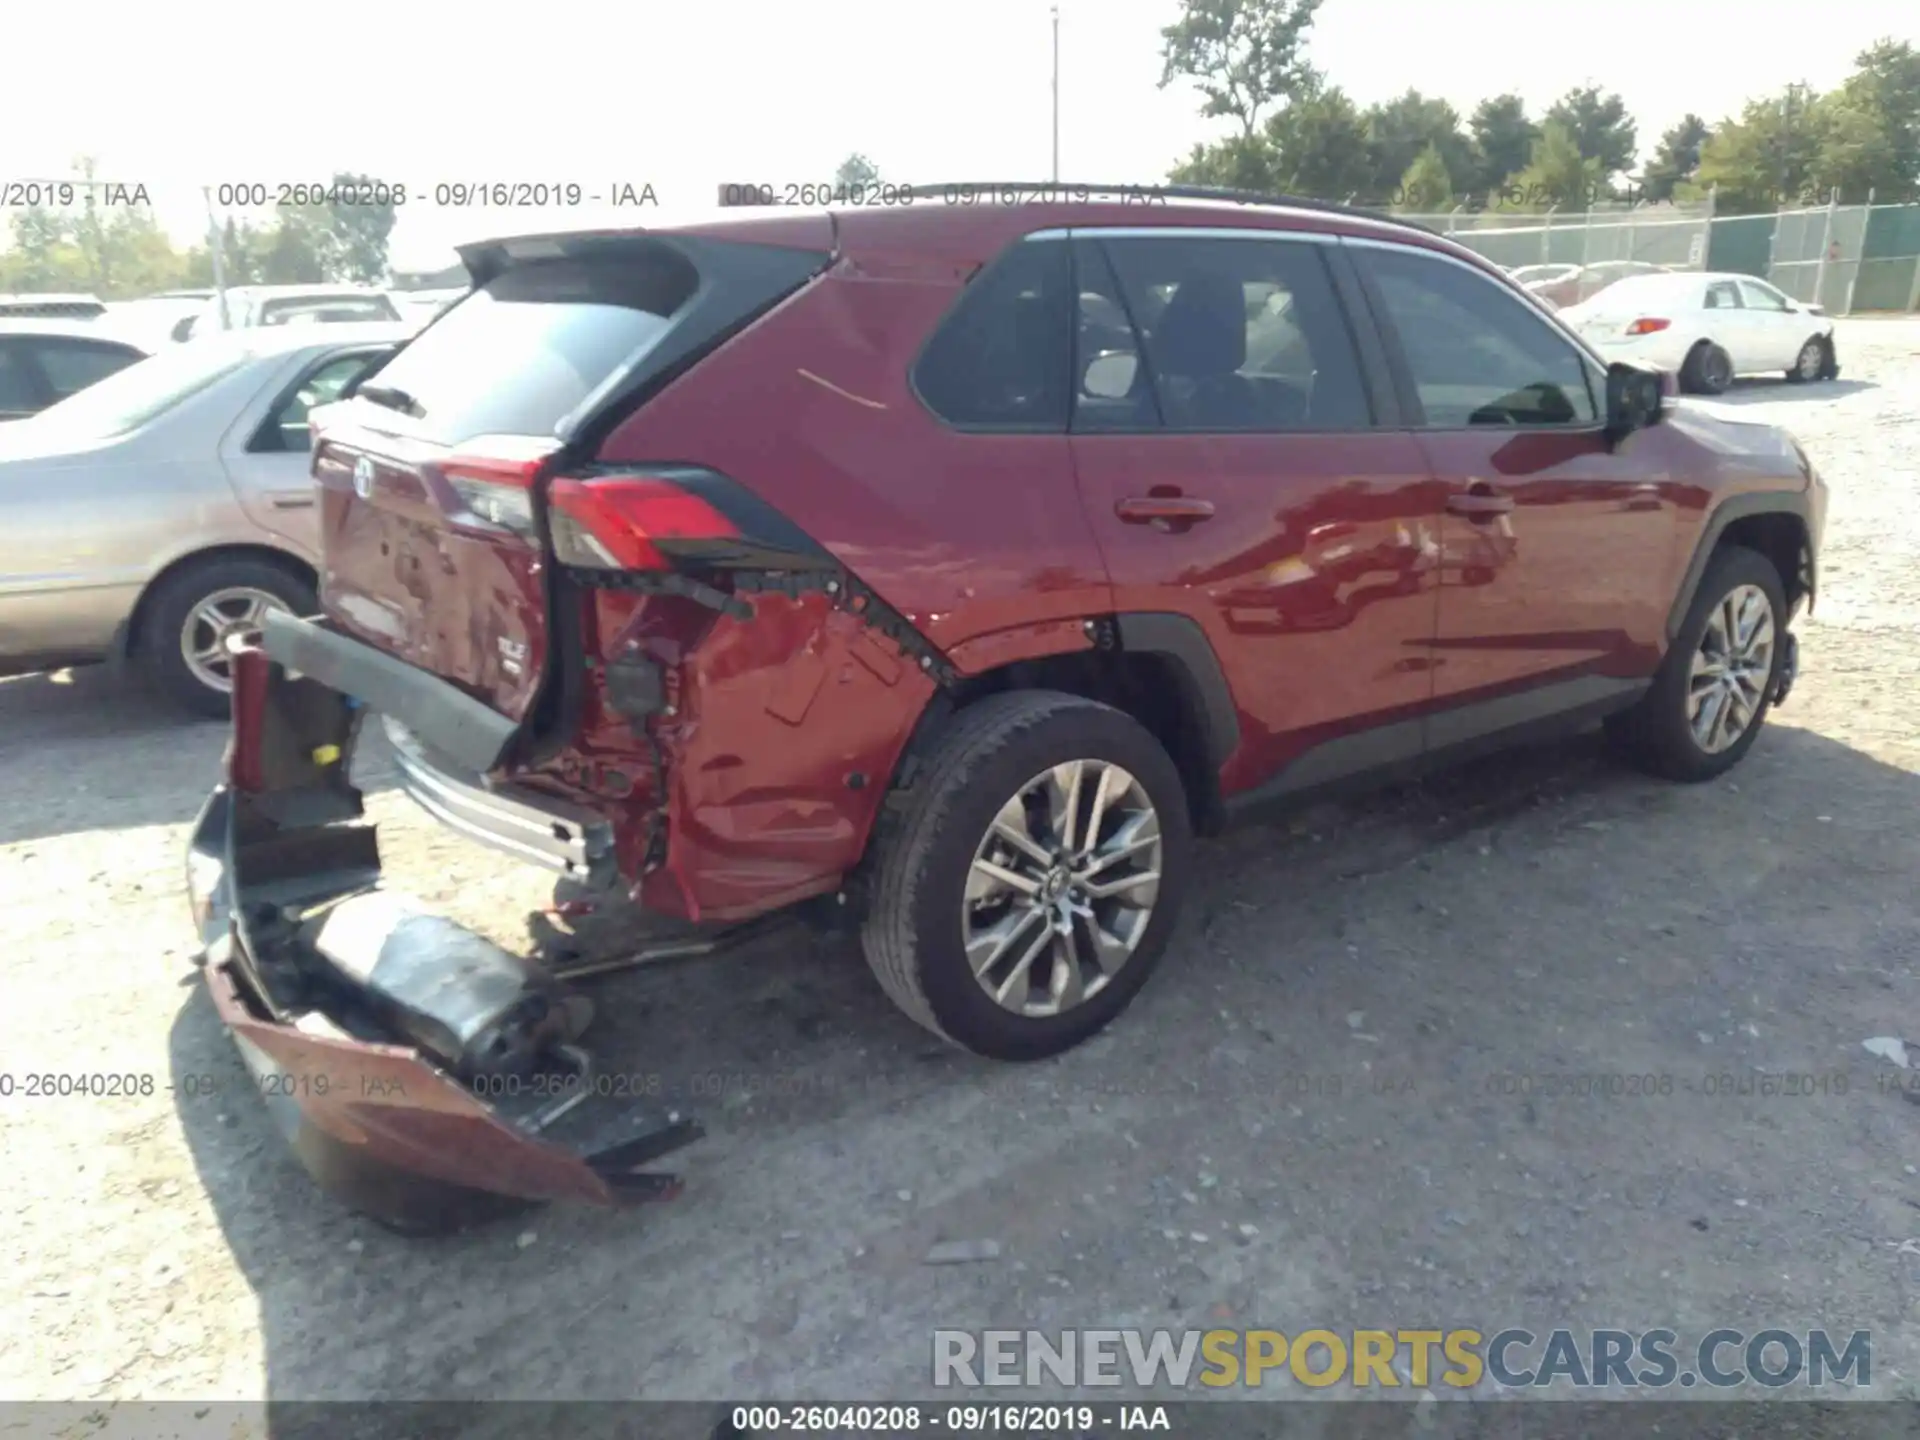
<point>1707,370</point>
<point>927,894</point>
<point>1658,735</point>
<point>178,619</point>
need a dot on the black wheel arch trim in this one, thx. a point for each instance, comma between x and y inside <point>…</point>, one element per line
<point>1181,640</point>
<point>1792,503</point>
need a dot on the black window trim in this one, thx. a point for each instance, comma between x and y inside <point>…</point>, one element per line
<point>1140,356</point>
<point>1593,369</point>
<point>1376,385</point>
<point>301,376</point>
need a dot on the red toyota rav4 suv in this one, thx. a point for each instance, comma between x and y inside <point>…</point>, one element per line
<point>953,565</point>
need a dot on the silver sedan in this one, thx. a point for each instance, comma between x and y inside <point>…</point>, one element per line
<point>161,510</point>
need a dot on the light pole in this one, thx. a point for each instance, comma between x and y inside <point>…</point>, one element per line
<point>219,263</point>
<point>1056,94</point>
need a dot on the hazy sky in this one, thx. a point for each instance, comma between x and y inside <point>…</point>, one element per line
<point>684,96</point>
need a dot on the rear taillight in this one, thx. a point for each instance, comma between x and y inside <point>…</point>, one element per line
<point>619,522</point>
<point>1647,326</point>
<point>493,479</point>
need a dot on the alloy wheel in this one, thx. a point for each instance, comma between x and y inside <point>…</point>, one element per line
<point>1062,887</point>
<point>210,624</point>
<point>1812,360</point>
<point>1728,680</point>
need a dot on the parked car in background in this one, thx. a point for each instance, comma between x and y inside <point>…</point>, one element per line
<point>51,307</point>
<point>1557,285</point>
<point>1708,328</point>
<point>169,506</point>
<point>1594,278</point>
<point>43,362</point>
<point>420,306</point>
<point>249,306</point>
<point>959,621</point>
<point>1563,285</point>
<point>165,318</point>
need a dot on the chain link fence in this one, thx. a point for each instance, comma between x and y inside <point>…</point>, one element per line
<point>1848,259</point>
<point>1671,236</point>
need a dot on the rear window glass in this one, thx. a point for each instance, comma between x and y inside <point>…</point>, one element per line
<point>519,355</point>
<point>327,309</point>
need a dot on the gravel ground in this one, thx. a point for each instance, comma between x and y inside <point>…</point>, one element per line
<point>1294,1126</point>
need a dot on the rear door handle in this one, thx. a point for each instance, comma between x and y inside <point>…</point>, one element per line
<point>1139,510</point>
<point>293,502</point>
<point>1479,504</point>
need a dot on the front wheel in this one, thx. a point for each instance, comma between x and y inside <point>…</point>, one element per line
<point>1714,689</point>
<point>1811,363</point>
<point>1028,886</point>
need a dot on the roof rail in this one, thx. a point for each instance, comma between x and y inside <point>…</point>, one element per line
<point>1040,189</point>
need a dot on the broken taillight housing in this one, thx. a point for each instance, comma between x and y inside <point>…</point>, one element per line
<point>493,478</point>
<point>621,522</point>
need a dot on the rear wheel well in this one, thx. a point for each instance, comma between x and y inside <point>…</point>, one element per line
<point>1151,687</point>
<point>1782,539</point>
<point>143,608</point>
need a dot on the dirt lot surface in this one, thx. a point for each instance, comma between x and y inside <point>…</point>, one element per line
<point>1311,1117</point>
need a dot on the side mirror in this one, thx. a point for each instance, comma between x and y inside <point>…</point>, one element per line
<point>1635,396</point>
<point>1110,376</point>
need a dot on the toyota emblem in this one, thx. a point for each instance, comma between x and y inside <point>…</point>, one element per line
<point>363,477</point>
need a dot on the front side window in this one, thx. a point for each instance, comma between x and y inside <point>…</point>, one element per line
<point>1240,334</point>
<point>1474,353</point>
<point>1723,295</point>
<point>1762,297</point>
<point>1001,359</point>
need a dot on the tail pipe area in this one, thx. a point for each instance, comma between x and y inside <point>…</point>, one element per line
<point>422,1074</point>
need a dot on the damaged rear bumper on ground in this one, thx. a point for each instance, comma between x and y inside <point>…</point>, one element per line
<point>422,1074</point>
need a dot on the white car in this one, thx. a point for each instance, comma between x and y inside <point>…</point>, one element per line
<point>1708,328</point>
<point>169,505</point>
<point>252,305</point>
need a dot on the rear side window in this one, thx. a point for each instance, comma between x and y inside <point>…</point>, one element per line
<point>72,365</point>
<point>1240,334</point>
<point>520,354</point>
<point>1003,356</point>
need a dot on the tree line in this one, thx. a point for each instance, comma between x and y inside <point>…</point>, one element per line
<point>119,251</point>
<point>1297,133</point>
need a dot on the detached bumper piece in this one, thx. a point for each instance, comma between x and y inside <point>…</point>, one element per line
<point>422,1074</point>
